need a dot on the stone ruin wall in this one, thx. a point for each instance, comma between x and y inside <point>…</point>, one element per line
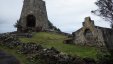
<point>37,9</point>
<point>96,39</point>
<point>108,38</point>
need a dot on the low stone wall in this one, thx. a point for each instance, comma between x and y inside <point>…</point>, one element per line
<point>36,54</point>
<point>108,39</point>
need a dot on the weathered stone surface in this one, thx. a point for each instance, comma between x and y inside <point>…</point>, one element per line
<point>20,35</point>
<point>33,16</point>
<point>52,56</point>
<point>92,35</point>
<point>108,39</point>
<point>68,41</point>
<point>9,41</point>
<point>30,48</point>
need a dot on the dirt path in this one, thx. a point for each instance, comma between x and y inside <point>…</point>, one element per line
<point>7,59</point>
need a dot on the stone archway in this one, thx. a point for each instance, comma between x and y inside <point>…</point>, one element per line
<point>31,21</point>
<point>88,34</point>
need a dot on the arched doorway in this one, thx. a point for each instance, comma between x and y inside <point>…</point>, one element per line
<point>31,21</point>
<point>88,34</point>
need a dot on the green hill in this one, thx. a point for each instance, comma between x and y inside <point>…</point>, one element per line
<point>49,40</point>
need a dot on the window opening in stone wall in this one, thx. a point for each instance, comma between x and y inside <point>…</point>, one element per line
<point>88,34</point>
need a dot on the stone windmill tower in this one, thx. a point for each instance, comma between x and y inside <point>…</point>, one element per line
<point>33,16</point>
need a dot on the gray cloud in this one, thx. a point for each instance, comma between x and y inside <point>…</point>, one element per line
<point>9,14</point>
<point>1,21</point>
<point>67,15</point>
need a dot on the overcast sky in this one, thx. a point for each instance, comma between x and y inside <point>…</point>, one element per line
<point>67,15</point>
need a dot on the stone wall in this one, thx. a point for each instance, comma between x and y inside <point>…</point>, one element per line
<point>108,39</point>
<point>88,34</point>
<point>36,9</point>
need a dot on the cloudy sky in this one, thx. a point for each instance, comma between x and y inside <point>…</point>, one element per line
<point>67,15</point>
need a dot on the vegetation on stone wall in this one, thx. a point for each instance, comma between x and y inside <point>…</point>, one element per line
<point>17,24</point>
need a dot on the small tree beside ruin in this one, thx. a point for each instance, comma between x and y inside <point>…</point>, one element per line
<point>105,10</point>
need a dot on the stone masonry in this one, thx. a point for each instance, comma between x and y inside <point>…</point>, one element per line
<point>33,16</point>
<point>93,35</point>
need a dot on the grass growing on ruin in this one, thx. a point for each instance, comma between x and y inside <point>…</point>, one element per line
<point>49,40</point>
<point>74,49</point>
<point>44,37</point>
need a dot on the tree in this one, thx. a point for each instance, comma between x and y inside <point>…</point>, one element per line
<point>51,26</point>
<point>17,25</point>
<point>105,10</point>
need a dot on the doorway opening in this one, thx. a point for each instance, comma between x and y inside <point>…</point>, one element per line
<point>31,21</point>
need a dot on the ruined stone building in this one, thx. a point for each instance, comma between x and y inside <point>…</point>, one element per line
<point>93,35</point>
<point>33,16</point>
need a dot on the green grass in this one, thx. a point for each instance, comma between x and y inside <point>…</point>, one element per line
<point>43,38</point>
<point>74,49</point>
<point>49,40</point>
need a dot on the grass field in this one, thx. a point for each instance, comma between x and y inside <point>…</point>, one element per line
<point>49,40</point>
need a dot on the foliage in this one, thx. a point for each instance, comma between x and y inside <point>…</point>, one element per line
<point>105,10</point>
<point>33,53</point>
<point>104,58</point>
<point>49,40</point>
<point>17,25</point>
<point>51,26</point>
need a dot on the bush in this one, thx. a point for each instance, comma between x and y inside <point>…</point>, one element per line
<point>104,58</point>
